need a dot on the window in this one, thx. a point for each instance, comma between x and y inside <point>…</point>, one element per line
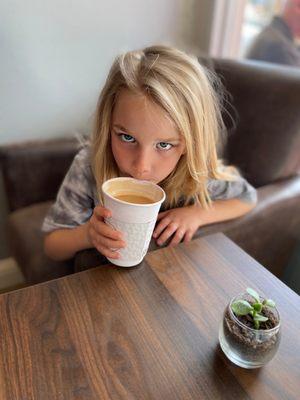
<point>237,22</point>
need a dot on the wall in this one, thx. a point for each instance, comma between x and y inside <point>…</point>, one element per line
<point>202,14</point>
<point>55,55</point>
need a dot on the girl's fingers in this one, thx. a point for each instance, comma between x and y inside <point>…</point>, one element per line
<point>162,214</point>
<point>98,239</point>
<point>177,238</point>
<point>104,229</point>
<point>160,227</point>
<point>111,244</point>
<point>107,252</point>
<point>188,236</point>
<point>101,212</point>
<point>170,229</point>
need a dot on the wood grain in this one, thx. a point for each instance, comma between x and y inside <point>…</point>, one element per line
<point>149,332</point>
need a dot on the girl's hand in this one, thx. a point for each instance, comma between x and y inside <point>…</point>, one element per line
<point>102,236</point>
<point>182,222</point>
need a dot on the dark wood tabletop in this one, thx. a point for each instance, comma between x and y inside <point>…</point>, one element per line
<point>149,332</point>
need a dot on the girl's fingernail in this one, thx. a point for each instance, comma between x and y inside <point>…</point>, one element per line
<point>154,235</point>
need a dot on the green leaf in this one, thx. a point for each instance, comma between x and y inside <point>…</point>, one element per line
<point>270,303</point>
<point>256,324</point>
<point>241,307</point>
<point>257,307</point>
<point>261,318</point>
<point>254,294</point>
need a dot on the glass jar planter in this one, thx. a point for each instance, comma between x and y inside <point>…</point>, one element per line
<point>245,346</point>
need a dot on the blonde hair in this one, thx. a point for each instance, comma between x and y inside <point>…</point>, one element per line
<point>184,89</point>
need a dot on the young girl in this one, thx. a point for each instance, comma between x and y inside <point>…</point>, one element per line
<point>159,119</point>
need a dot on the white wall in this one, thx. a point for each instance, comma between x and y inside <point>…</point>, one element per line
<point>55,55</point>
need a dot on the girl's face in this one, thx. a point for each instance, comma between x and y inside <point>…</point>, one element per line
<point>145,142</point>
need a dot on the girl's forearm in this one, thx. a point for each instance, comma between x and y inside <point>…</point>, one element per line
<point>63,244</point>
<point>223,210</point>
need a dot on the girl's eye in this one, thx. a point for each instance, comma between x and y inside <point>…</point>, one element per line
<point>127,138</point>
<point>164,146</point>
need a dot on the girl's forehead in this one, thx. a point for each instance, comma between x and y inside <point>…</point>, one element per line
<point>134,110</point>
<point>127,99</point>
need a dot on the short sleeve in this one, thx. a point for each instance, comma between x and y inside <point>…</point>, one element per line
<point>235,189</point>
<point>75,199</point>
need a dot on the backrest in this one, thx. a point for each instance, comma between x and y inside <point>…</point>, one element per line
<point>265,144</point>
<point>33,171</point>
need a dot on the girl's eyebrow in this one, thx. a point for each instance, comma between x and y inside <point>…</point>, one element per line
<point>122,128</point>
<point>171,139</point>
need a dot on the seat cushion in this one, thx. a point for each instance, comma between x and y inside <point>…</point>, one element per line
<point>25,240</point>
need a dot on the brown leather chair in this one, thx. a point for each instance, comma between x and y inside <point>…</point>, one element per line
<point>264,142</point>
<point>32,172</point>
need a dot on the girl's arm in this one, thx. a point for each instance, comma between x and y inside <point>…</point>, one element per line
<point>184,222</point>
<point>223,210</point>
<point>63,244</point>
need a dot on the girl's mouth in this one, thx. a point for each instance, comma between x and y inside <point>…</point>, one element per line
<point>140,179</point>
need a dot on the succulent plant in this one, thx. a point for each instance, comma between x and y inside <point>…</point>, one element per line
<point>243,307</point>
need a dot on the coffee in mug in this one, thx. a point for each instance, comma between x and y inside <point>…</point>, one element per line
<point>134,198</point>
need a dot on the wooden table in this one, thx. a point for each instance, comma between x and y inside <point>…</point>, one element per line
<point>149,332</point>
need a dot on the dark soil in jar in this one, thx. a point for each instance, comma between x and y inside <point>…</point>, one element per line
<point>250,342</point>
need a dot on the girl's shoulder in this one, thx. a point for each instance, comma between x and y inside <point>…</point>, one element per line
<point>82,160</point>
<point>81,165</point>
<point>84,151</point>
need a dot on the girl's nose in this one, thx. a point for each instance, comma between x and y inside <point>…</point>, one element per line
<point>142,164</point>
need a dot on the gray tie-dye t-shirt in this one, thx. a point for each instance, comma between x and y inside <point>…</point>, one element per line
<point>78,196</point>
